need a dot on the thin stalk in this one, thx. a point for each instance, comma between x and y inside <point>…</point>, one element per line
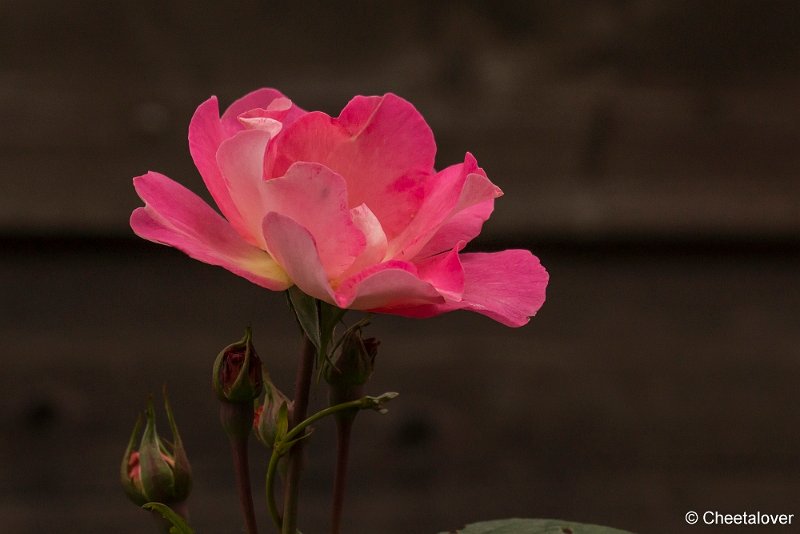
<point>375,403</point>
<point>240,464</point>
<point>299,410</point>
<point>344,427</point>
<point>274,512</point>
<point>163,524</point>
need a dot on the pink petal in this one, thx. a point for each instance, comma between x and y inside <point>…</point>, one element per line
<point>464,223</point>
<point>382,147</point>
<point>207,131</point>
<point>271,100</point>
<point>453,190</point>
<point>442,196</point>
<point>205,136</point>
<point>463,226</point>
<point>240,159</point>
<point>445,273</point>
<point>175,216</point>
<point>507,286</point>
<point>376,244</point>
<point>316,198</point>
<point>294,249</point>
<point>260,120</point>
<point>391,284</point>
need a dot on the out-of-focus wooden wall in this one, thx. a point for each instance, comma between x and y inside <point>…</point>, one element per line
<point>649,155</point>
<point>595,118</point>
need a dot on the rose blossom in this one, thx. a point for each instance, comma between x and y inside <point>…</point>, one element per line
<point>350,209</point>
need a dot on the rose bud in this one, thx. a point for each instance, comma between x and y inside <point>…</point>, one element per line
<point>351,366</point>
<point>158,471</point>
<point>266,420</point>
<point>237,381</point>
<point>237,372</point>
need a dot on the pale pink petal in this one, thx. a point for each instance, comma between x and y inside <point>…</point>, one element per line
<point>376,244</point>
<point>394,283</point>
<point>241,161</point>
<point>382,147</point>
<point>294,249</point>
<point>271,100</point>
<point>257,121</point>
<point>507,286</point>
<point>175,216</point>
<point>316,198</point>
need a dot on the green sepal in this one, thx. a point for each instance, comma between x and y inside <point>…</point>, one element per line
<point>307,312</point>
<point>282,423</point>
<point>329,317</point>
<point>534,526</point>
<point>179,525</point>
<point>266,423</point>
<point>133,491</point>
<point>157,478</point>
<point>182,471</point>
<point>318,319</point>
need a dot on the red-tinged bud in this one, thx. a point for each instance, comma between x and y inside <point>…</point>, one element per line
<point>237,372</point>
<point>271,418</point>
<point>156,471</point>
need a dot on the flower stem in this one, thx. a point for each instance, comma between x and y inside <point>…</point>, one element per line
<point>280,448</point>
<point>239,415</point>
<point>299,409</point>
<point>274,512</point>
<point>243,482</point>
<point>164,525</point>
<point>344,427</point>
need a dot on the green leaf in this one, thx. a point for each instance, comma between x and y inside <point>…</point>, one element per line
<point>179,525</point>
<point>534,526</point>
<point>329,317</point>
<point>318,320</point>
<point>307,312</point>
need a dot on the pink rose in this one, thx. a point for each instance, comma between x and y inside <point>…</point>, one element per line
<point>350,209</point>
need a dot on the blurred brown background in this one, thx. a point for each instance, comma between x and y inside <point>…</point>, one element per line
<point>649,152</point>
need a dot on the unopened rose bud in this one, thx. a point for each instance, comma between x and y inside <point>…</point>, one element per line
<point>156,471</point>
<point>237,372</point>
<point>351,366</point>
<point>269,416</point>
